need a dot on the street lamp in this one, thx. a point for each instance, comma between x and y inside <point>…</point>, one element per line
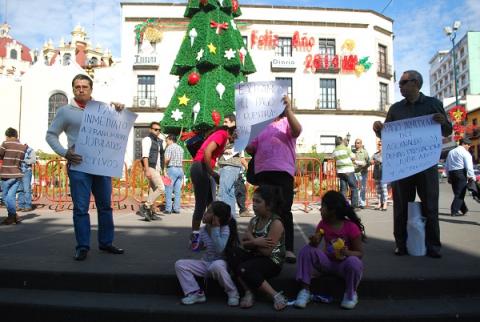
<point>451,32</point>
<point>347,138</point>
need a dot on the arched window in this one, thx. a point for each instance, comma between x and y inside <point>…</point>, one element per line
<point>93,61</point>
<point>54,102</point>
<point>13,54</point>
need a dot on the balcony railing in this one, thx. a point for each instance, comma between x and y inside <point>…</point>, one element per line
<point>144,102</point>
<point>384,70</point>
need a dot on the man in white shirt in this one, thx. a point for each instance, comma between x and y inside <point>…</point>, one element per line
<point>459,167</point>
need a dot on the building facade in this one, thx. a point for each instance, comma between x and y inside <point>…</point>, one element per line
<point>467,56</point>
<point>339,63</point>
<point>15,57</point>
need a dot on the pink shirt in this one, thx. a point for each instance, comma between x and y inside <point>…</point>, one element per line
<point>275,148</point>
<point>220,137</point>
<point>348,232</point>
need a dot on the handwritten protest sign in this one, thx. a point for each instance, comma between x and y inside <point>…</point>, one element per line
<point>102,139</point>
<point>256,105</point>
<point>409,146</point>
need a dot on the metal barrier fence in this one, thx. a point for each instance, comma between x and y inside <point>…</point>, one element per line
<point>50,184</point>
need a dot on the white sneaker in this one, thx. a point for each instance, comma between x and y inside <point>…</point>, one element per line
<point>192,298</point>
<point>303,298</point>
<point>233,300</point>
<point>349,304</point>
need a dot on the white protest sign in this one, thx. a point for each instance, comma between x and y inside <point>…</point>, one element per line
<point>409,146</point>
<point>256,105</point>
<point>102,139</point>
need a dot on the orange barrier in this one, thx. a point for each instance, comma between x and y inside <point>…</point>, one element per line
<point>312,179</point>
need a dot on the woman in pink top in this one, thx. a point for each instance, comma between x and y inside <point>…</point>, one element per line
<point>274,150</point>
<point>204,177</point>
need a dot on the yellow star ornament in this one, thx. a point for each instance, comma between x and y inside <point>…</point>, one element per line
<point>458,115</point>
<point>183,100</point>
<point>212,48</point>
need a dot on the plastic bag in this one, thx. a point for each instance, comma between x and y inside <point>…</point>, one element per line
<point>416,230</point>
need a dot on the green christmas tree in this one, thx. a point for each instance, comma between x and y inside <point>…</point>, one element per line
<point>211,60</point>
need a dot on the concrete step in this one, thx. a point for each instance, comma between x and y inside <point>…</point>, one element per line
<point>167,284</point>
<point>41,305</point>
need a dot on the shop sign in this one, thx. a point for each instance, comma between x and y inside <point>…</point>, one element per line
<point>283,63</point>
<point>146,60</point>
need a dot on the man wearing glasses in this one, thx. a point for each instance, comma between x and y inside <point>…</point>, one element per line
<point>153,163</point>
<point>425,183</point>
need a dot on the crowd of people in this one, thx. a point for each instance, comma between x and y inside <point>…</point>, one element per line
<point>243,264</point>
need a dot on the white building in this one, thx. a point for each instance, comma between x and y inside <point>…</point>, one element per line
<point>319,51</point>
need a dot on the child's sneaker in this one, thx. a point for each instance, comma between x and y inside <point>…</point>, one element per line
<point>233,300</point>
<point>192,298</point>
<point>303,298</point>
<point>349,304</point>
<point>195,241</point>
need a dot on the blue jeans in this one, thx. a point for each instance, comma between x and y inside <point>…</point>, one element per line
<point>176,174</point>
<point>81,184</point>
<point>362,178</point>
<point>25,196</point>
<point>226,191</point>
<point>349,180</point>
<point>9,192</point>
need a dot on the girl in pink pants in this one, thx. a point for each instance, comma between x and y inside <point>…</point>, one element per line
<point>218,233</point>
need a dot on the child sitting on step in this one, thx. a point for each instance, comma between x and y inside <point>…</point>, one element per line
<point>343,233</point>
<point>217,235</point>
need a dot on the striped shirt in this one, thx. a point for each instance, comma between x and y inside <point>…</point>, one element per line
<point>174,153</point>
<point>12,153</point>
<point>343,159</point>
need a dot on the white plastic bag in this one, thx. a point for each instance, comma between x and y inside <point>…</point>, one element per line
<point>416,230</point>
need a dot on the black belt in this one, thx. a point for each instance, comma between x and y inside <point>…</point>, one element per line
<point>174,166</point>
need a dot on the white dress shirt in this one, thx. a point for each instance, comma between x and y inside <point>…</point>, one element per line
<point>458,159</point>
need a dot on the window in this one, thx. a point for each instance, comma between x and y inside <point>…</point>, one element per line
<point>382,59</point>
<point>327,143</point>
<point>146,86</point>
<point>13,54</point>
<point>67,58</point>
<point>326,46</point>
<point>284,47</point>
<point>289,81</point>
<point>328,93</point>
<point>383,96</point>
<point>139,132</point>
<point>54,102</point>
<point>474,122</point>
<point>93,61</point>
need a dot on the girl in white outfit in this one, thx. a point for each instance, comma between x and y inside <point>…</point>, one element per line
<point>218,234</point>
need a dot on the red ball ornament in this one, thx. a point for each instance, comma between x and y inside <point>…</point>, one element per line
<point>235,5</point>
<point>193,78</point>
<point>216,118</point>
<point>204,2</point>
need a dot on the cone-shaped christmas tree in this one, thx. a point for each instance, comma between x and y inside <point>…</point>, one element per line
<point>211,60</point>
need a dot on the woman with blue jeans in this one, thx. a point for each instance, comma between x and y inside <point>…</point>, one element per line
<point>25,194</point>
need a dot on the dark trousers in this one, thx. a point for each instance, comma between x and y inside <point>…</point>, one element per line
<point>251,268</point>
<point>203,185</point>
<point>458,179</point>
<point>240,193</point>
<point>285,181</point>
<point>424,183</point>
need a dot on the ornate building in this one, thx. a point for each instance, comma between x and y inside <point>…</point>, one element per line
<point>15,57</point>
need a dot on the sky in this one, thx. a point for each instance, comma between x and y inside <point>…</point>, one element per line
<point>418,24</point>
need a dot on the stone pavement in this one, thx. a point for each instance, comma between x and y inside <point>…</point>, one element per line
<point>38,255</point>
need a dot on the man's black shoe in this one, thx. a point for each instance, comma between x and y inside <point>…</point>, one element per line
<point>112,249</point>
<point>166,212</point>
<point>433,254</point>
<point>154,217</point>
<point>146,212</point>
<point>457,214</point>
<point>176,211</point>
<point>80,254</point>
<point>400,251</point>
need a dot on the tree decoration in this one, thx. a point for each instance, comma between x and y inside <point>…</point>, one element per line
<point>183,100</point>
<point>177,115</point>
<point>196,109</point>
<point>193,78</point>
<point>362,66</point>
<point>216,117</point>
<point>220,88</point>
<point>218,26</point>
<point>229,54</point>
<point>214,49</point>
<point>200,54</point>
<point>149,29</point>
<point>192,34</point>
